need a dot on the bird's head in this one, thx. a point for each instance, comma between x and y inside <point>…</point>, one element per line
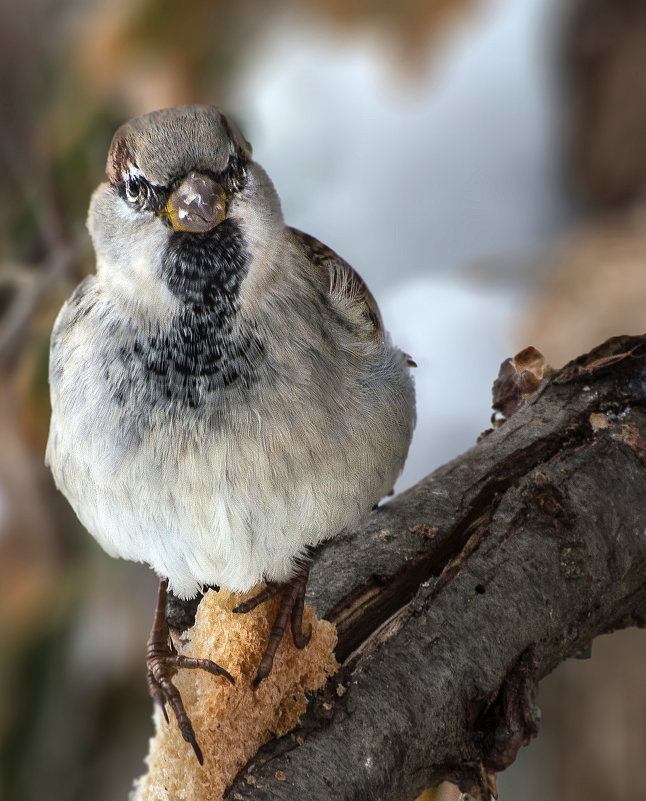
<point>185,208</point>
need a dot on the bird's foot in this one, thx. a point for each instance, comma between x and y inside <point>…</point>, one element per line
<point>163,662</point>
<point>291,606</point>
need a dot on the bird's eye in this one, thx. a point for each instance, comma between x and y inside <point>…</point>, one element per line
<point>136,189</point>
<point>234,177</point>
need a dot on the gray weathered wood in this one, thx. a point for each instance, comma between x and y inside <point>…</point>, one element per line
<point>457,596</point>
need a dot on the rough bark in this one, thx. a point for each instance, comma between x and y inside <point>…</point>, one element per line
<point>459,595</point>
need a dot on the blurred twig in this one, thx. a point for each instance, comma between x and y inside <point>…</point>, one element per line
<point>30,284</point>
<point>31,288</point>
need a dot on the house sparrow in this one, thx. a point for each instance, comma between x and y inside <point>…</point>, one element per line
<point>224,395</point>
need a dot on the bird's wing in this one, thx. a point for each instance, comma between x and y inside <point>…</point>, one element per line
<point>345,286</point>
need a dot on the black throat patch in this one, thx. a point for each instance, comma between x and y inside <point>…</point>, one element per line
<point>205,270</point>
<point>201,349</point>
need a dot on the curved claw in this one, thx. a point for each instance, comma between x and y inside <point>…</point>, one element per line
<point>163,662</point>
<point>264,668</point>
<point>189,735</point>
<point>159,699</point>
<point>301,640</point>
<point>191,663</point>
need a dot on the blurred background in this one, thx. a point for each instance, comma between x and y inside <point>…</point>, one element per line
<point>481,163</point>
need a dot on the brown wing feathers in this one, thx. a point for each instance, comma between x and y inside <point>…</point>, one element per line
<point>344,282</point>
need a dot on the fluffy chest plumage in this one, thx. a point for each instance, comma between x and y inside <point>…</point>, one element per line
<point>181,366</point>
<point>214,450</point>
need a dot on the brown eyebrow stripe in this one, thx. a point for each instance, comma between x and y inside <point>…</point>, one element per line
<point>119,159</point>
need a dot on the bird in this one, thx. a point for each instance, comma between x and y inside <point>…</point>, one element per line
<point>224,394</point>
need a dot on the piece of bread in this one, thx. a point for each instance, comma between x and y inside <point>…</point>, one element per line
<point>232,722</point>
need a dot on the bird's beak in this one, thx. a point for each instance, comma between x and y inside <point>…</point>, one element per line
<point>197,205</point>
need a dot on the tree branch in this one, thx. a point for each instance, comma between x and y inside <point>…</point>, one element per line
<point>459,595</point>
